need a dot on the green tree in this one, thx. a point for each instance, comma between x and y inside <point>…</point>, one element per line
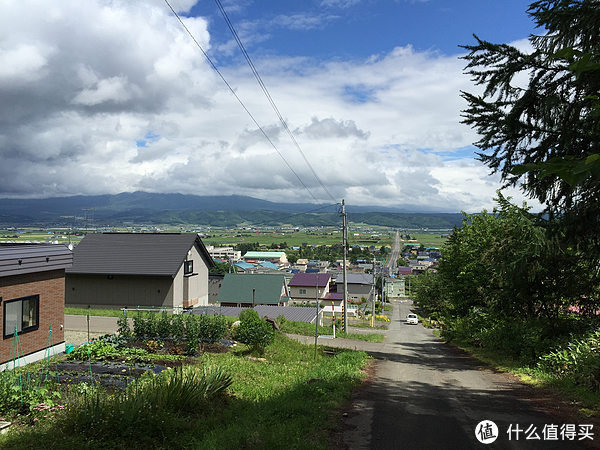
<point>247,247</point>
<point>220,268</point>
<point>509,265</point>
<point>544,136</point>
<point>292,257</point>
<point>429,293</point>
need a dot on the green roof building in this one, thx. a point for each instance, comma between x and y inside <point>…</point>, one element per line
<point>248,290</point>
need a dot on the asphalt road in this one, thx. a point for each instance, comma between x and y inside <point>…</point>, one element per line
<point>427,395</point>
<point>395,254</point>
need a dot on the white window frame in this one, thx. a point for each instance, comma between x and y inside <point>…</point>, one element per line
<point>302,291</point>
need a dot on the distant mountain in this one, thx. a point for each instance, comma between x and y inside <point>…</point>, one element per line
<point>179,209</point>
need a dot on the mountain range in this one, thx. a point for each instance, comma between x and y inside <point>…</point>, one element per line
<point>179,209</point>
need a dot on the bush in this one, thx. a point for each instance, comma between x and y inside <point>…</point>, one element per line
<point>178,328</point>
<point>123,326</point>
<point>192,333</point>
<point>247,314</point>
<point>256,333</point>
<point>211,328</point>
<point>579,359</point>
<point>163,326</point>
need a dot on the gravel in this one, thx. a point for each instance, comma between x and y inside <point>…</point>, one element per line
<point>79,337</point>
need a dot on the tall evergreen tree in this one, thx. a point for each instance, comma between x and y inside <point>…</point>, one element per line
<point>543,135</point>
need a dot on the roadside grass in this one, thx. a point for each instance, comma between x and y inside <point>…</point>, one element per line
<point>586,399</point>
<point>99,312</point>
<point>308,329</point>
<point>285,401</point>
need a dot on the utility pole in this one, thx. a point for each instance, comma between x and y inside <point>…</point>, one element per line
<point>344,271</point>
<point>373,294</point>
<point>317,317</point>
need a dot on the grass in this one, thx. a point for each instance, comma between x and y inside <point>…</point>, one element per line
<point>286,401</point>
<point>308,329</point>
<point>588,400</point>
<point>99,312</point>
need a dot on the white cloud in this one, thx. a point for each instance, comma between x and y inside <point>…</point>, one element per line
<point>118,98</point>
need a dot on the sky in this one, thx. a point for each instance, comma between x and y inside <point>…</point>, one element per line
<point>110,96</point>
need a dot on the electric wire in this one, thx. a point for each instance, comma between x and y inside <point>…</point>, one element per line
<point>268,95</point>
<point>240,102</point>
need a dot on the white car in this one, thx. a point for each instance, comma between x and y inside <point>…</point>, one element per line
<point>412,318</point>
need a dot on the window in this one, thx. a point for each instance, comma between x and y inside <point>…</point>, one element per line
<point>188,267</point>
<point>302,291</point>
<point>22,313</point>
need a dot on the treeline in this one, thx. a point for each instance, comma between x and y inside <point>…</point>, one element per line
<point>272,219</point>
<point>511,282</point>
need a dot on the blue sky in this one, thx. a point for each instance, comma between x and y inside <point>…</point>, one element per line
<point>327,30</point>
<point>108,97</point>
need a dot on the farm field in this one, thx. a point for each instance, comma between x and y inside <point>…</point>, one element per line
<point>377,236</point>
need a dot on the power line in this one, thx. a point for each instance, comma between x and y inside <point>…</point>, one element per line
<point>240,102</point>
<point>268,95</point>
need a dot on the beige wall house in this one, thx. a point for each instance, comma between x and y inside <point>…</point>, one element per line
<point>303,286</point>
<point>117,270</point>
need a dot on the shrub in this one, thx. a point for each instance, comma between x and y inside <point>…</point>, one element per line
<point>123,326</point>
<point>247,314</point>
<point>579,359</point>
<point>256,333</point>
<point>192,332</point>
<point>178,327</point>
<point>211,328</point>
<point>163,326</point>
<point>140,329</point>
<point>281,319</point>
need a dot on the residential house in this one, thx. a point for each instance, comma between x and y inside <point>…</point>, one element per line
<point>404,270</point>
<point>115,270</point>
<point>32,301</point>
<point>309,286</point>
<point>300,265</point>
<point>249,290</point>
<point>394,288</point>
<point>360,285</point>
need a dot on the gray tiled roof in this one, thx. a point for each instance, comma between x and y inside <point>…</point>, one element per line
<point>294,313</point>
<point>135,253</point>
<point>17,259</point>
<point>356,278</point>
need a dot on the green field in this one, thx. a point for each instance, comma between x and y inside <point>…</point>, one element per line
<point>231,237</point>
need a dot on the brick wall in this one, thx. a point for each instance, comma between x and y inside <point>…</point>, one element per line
<point>50,286</point>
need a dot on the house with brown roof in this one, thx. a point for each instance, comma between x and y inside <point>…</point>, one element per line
<point>146,270</point>
<point>309,286</point>
<point>32,301</point>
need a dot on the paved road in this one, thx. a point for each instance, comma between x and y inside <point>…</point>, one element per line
<point>428,396</point>
<point>395,254</point>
